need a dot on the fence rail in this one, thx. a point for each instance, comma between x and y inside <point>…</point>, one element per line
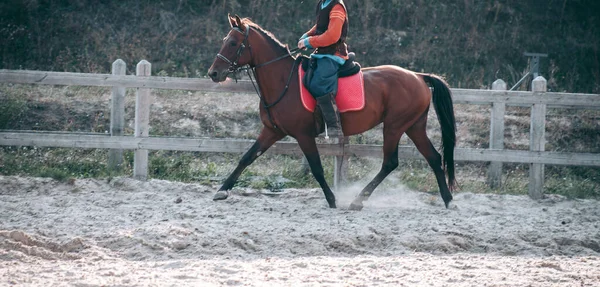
<point>460,96</point>
<point>539,100</point>
<point>105,141</point>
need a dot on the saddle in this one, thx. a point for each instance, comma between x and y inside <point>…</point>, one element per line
<point>349,68</point>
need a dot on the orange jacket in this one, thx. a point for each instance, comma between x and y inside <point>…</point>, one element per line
<point>337,16</point>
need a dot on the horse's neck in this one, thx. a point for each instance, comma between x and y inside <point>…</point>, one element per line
<point>273,78</point>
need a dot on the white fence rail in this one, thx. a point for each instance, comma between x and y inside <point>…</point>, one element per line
<point>538,99</point>
<point>104,141</point>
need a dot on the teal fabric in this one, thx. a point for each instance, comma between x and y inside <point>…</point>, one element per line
<point>325,77</point>
<point>307,44</point>
<point>335,58</point>
<point>324,4</point>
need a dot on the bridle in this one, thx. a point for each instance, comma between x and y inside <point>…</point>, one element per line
<point>234,67</point>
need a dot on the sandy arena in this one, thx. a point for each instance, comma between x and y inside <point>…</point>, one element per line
<point>123,232</point>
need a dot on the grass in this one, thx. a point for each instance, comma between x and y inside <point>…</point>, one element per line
<point>64,164</point>
<point>276,172</point>
<point>57,163</point>
<point>573,182</point>
<point>13,108</point>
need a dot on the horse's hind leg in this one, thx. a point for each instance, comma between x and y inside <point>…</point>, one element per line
<point>265,140</point>
<point>418,134</point>
<point>390,162</point>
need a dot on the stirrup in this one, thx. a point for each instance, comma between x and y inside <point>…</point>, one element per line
<point>340,134</point>
<point>326,136</point>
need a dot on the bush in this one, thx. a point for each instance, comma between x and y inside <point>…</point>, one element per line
<point>472,43</point>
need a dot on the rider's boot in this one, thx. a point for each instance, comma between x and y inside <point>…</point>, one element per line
<point>331,115</point>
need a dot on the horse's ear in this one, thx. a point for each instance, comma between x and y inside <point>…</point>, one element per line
<point>232,21</point>
<point>239,24</point>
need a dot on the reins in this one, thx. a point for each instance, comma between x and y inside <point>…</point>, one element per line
<point>235,68</point>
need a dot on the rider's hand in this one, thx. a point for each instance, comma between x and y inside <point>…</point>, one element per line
<point>301,44</point>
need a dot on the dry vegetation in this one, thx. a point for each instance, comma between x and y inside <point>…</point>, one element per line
<point>219,115</point>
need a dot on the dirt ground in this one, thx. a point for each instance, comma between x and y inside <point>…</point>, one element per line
<point>123,232</point>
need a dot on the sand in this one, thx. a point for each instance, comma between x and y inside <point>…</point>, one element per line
<point>124,232</point>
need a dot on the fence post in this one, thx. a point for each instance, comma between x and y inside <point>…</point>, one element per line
<point>142,122</point>
<point>340,167</point>
<point>496,136</point>
<point>537,140</point>
<point>117,116</point>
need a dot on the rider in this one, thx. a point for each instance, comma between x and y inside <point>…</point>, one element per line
<point>328,36</point>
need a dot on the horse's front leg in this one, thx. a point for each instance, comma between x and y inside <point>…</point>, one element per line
<point>309,148</point>
<point>265,140</point>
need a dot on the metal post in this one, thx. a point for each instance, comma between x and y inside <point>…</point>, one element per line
<point>534,67</point>
<point>534,64</point>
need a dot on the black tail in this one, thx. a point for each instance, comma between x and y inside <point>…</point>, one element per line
<point>442,102</point>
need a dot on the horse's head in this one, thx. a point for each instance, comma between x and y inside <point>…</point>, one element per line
<point>234,53</point>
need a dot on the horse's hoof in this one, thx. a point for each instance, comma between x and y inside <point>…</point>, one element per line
<point>221,195</point>
<point>356,206</point>
<point>447,202</point>
<point>332,205</point>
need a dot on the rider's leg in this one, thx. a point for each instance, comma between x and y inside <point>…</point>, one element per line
<point>323,87</point>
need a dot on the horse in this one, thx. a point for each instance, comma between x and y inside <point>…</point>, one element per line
<point>398,97</point>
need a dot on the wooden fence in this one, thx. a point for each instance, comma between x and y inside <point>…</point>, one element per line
<point>539,100</point>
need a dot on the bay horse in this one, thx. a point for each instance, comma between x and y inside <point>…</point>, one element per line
<point>395,96</point>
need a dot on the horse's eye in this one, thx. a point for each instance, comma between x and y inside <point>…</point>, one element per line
<point>233,44</point>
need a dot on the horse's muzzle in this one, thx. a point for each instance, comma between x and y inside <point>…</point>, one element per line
<point>217,76</point>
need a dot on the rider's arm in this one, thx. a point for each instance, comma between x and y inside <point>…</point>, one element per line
<point>337,16</point>
<point>310,32</point>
